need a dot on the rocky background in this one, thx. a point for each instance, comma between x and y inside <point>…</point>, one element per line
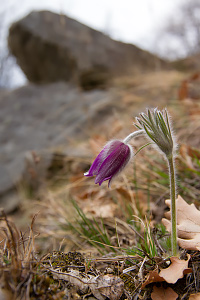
<point>81,84</point>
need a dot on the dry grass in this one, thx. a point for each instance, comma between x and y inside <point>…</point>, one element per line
<point>106,214</point>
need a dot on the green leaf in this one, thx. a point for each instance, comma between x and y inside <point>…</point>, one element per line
<point>142,148</point>
<point>152,137</point>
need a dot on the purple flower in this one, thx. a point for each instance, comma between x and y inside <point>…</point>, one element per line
<point>110,161</point>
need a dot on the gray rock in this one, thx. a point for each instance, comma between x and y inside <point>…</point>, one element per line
<point>51,47</point>
<point>42,119</point>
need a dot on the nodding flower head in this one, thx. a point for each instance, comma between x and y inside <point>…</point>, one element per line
<point>110,162</point>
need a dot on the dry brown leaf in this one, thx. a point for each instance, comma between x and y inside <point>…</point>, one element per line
<point>124,194</point>
<point>188,224</point>
<point>5,294</point>
<point>104,210</point>
<point>177,269</point>
<point>153,276</point>
<point>183,90</point>
<point>194,296</point>
<point>159,293</point>
<point>189,153</point>
<point>188,88</point>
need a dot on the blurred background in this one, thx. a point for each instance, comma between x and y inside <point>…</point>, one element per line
<point>169,29</point>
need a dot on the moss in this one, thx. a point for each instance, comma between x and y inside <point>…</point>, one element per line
<point>42,287</point>
<point>129,284</point>
<point>64,261</point>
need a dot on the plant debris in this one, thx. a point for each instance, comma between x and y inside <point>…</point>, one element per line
<point>176,270</point>
<point>195,296</point>
<point>160,293</point>
<point>122,255</point>
<point>102,286</point>
<point>188,219</point>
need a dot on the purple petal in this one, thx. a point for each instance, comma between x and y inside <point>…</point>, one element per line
<point>114,163</point>
<point>107,150</point>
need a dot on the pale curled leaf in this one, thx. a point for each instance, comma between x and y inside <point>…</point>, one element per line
<point>74,278</point>
<point>159,293</point>
<point>110,286</point>
<point>176,270</point>
<point>102,287</point>
<point>188,224</point>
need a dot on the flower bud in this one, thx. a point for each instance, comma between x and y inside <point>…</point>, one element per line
<point>110,162</point>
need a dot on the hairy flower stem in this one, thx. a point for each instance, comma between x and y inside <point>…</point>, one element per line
<point>173,204</point>
<point>133,135</point>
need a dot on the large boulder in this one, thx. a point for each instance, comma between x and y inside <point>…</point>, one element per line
<point>46,119</point>
<point>50,47</point>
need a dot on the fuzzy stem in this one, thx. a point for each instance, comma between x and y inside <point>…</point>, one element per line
<point>173,204</point>
<point>133,135</point>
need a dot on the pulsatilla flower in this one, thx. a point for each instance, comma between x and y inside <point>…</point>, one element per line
<point>111,161</point>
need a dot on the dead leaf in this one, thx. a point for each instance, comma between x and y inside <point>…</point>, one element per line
<point>183,90</point>
<point>110,286</point>
<point>5,294</point>
<point>177,269</point>
<point>153,276</point>
<point>74,278</point>
<point>188,224</point>
<point>159,293</point>
<point>105,210</point>
<point>102,287</point>
<point>195,76</point>
<point>188,87</point>
<point>194,296</point>
<point>124,193</point>
<point>188,153</point>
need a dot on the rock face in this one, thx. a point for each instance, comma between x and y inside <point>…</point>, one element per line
<point>51,47</point>
<point>42,119</point>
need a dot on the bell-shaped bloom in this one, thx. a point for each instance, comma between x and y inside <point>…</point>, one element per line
<point>110,162</point>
